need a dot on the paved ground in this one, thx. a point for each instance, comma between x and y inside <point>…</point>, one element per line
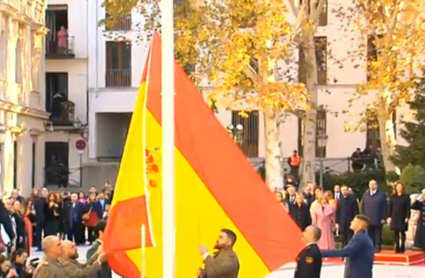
<point>328,271</point>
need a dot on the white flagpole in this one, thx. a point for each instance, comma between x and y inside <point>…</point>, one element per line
<point>167,81</point>
<point>143,251</point>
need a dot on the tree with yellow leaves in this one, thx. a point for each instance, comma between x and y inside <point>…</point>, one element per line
<point>392,33</point>
<point>240,46</point>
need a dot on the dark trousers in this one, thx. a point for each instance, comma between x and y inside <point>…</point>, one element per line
<point>375,234</point>
<point>74,233</point>
<point>39,230</point>
<point>399,240</point>
<point>90,234</point>
<point>52,228</point>
<point>346,236</point>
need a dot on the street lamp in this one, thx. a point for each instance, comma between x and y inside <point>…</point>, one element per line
<point>322,140</point>
<point>236,133</point>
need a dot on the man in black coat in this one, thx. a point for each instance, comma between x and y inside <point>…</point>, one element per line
<point>6,221</point>
<point>374,206</point>
<point>309,260</point>
<point>39,217</point>
<point>300,212</point>
<point>347,208</point>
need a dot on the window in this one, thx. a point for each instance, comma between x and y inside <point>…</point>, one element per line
<point>321,61</point>
<point>58,40</point>
<point>57,98</point>
<point>118,23</point>
<point>15,165</point>
<point>323,17</point>
<point>249,140</point>
<point>34,147</point>
<point>118,64</point>
<point>56,163</point>
<point>321,127</point>
<point>372,56</point>
<point>18,61</point>
<point>4,37</point>
<point>373,136</point>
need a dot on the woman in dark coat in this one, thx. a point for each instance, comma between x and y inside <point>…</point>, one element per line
<point>399,215</point>
<point>51,210</point>
<point>419,205</point>
<point>300,212</point>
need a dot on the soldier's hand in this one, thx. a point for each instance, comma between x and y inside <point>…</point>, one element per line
<point>337,227</point>
<point>102,258</point>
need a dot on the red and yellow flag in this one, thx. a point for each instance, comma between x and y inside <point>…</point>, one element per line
<point>215,186</point>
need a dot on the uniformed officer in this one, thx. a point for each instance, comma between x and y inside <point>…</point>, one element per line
<point>309,260</point>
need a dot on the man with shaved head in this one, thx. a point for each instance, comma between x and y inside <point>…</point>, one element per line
<point>75,269</point>
<point>60,261</point>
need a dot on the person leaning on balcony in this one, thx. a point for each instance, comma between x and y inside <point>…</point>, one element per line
<point>62,40</point>
<point>294,162</point>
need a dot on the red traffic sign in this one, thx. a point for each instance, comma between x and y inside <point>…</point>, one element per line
<point>81,144</point>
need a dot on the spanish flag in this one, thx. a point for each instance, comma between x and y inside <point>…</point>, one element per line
<point>215,187</point>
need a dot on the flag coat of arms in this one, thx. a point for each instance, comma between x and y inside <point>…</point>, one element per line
<point>215,187</point>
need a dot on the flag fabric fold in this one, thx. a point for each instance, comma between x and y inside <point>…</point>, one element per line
<point>215,187</point>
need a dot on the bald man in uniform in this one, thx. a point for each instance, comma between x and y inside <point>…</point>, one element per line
<point>309,260</point>
<point>56,265</point>
<point>75,269</point>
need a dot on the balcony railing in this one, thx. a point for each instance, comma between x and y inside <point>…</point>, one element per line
<point>64,115</point>
<point>55,50</point>
<point>118,78</point>
<point>120,24</point>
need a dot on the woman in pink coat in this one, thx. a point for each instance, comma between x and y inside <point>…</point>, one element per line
<point>323,218</point>
<point>62,39</point>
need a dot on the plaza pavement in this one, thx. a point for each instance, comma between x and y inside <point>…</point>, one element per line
<point>328,271</point>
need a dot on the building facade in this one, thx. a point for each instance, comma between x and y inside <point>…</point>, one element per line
<point>115,69</point>
<point>22,113</point>
<point>66,83</point>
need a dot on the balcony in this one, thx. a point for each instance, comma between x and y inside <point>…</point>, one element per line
<point>120,24</point>
<point>59,50</point>
<point>118,78</point>
<point>62,114</point>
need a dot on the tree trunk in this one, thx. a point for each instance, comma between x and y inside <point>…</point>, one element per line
<point>309,123</point>
<point>387,137</point>
<point>273,160</point>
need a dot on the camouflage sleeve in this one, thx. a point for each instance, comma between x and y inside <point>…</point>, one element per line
<point>74,271</point>
<point>42,271</point>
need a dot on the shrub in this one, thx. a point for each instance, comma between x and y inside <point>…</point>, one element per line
<point>413,178</point>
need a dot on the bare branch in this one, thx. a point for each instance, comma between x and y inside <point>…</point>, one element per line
<point>317,11</point>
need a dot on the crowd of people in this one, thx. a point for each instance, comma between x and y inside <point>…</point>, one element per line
<point>333,212</point>
<point>74,218</point>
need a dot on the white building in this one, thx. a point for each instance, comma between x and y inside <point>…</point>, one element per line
<point>115,70</point>
<point>22,114</point>
<point>66,79</point>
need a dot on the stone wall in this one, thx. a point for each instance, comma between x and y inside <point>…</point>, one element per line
<point>98,173</point>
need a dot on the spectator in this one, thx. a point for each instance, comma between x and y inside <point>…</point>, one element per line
<point>299,211</point>
<point>374,206</point>
<point>346,210</point>
<point>399,215</point>
<point>357,160</point>
<point>51,211</point>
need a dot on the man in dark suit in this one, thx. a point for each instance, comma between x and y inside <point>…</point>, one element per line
<point>346,210</point>
<point>39,217</point>
<point>73,219</point>
<point>359,251</point>
<point>309,260</point>
<point>374,206</point>
<point>102,201</point>
<point>224,263</point>
<point>291,196</point>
